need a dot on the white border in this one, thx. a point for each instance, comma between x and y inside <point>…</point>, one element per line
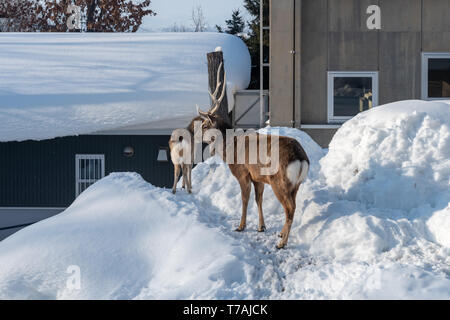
<point>425,57</point>
<point>100,157</point>
<point>348,74</point>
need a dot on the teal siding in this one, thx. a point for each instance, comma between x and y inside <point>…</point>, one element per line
<point>42,173</point>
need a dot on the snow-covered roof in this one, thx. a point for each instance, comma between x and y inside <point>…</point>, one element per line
<point>55,85</point>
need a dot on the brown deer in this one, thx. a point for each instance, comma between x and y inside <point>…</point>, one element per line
<point>292,167</point>
<point>181,154</point>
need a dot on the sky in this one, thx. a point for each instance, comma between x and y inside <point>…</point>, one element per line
<point>170,12</point>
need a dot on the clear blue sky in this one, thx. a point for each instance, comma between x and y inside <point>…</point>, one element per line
<point>179,11</point>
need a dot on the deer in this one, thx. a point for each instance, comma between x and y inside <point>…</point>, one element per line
<point>292,169</point>
<point>181,154</point>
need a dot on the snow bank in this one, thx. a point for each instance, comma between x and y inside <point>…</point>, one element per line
<point>394,156</point>
<point>67,84</point>
<point>130,240</point>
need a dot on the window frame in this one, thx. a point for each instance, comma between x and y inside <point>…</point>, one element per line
<point>78,180</point>
<point>331,118</point>
<point>426,56</point>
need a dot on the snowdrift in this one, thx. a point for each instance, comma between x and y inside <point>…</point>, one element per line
<point>55,85</point>
<point>132,240</point>
<point>129,240</point>
<point>395,156</point>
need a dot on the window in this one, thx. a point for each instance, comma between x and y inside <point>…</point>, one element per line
<point>435,76</point>
<point>89,168</point>
<point>350,93</point>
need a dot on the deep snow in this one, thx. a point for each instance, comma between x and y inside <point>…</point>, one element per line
<point>54,85</point>
<point>133,240</point>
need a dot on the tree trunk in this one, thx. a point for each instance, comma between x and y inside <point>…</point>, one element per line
<point>90,16</point>
<point>214,60</point>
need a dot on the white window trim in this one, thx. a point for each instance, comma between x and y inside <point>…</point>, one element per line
<point>349,74</point>
<point>425,57</point>
<point>79,157</point>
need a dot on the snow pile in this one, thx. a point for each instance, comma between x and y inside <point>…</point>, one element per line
<point>67,84</point>
<point>395,156</point>
<point>132,240</point>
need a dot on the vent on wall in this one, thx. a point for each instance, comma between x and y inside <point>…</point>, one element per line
<point>163,154</point>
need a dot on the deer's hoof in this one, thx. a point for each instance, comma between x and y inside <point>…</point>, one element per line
<point>174,191</point>
<point>240,229</point>
<point>281,245</point>
<point>262,229</point>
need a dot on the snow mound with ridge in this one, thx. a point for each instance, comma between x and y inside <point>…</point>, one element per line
<point>394,156</point>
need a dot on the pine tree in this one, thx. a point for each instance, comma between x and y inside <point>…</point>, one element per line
<point>236,24</point>
<point>97,15</point>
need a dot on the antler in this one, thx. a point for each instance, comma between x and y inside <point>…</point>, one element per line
<point>216,102</point>
<point>201,113</point>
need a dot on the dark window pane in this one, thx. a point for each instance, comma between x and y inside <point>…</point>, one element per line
<point>82,169</point>
<point>352,95</point>
<point>439,78</point>
<point>97,169</point>
<point>91,169</point>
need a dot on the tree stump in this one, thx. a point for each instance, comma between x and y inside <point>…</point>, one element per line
<point>214,60</point>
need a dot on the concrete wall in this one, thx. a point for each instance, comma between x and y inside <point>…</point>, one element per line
<point>282,20</point>
<point>333,36</point>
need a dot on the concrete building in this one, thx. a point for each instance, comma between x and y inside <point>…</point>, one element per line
<point>330,59</point>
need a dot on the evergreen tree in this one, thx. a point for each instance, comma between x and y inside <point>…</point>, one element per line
<point>219,29</point>
<point>236,24</point>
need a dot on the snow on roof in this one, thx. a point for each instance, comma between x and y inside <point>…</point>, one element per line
<point>55,85</point>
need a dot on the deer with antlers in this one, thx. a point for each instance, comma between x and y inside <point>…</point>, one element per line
<point>291,170</point>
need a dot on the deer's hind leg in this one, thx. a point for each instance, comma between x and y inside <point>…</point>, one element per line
<point>176,174</point>
<point>259,190</point>
<point>287,200</point>
<point>246,187</point>
<point>187,168</point>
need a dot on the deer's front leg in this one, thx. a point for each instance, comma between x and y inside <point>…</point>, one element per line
<point>244,182</point>
<point>176,174</point>
<point>189,177</point>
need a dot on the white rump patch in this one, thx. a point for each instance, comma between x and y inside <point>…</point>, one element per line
<point>175,153</point>
<point>304,173</point>
<point>297,171</point>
